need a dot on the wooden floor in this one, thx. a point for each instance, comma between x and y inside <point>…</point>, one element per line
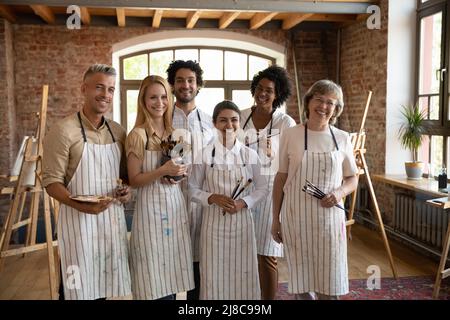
<point>27,278</point>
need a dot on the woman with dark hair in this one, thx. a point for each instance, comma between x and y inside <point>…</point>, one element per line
<point>228,263</point>
<point>263,123</point>
<point>160,250</point>
<point>312,225</point>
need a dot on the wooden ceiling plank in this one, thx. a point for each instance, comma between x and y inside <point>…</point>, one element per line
<point>7,13</point>
<point>261,18</point>
<point>192,19</point>
<point>228,18</point>
<point>85,16</point>
<point>294,20</point>
<point>157,16</point>
<point>44,12</point>
<point>120,12</point>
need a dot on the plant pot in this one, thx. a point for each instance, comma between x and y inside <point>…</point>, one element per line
<point>414,169</point>
<point>164,159</point>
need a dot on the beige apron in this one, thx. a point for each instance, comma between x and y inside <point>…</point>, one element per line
<point>94,247</point>
<point>160,245</point>
<point>228,258</point>
<point>314,237</point>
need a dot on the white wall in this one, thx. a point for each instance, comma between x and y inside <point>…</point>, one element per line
<point>400,77</point>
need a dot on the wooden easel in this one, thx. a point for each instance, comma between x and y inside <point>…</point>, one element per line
<point>358,142</point>
<point>18,197</point>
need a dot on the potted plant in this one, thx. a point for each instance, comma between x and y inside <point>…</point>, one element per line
<point>411,137</point>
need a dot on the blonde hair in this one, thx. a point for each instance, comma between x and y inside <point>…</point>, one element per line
<point>143,118</point>
<point>100,68</point>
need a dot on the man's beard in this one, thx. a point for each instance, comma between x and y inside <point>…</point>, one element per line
<point>186,100</point>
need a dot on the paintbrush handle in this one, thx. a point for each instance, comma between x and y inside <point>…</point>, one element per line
<point>235,189</point>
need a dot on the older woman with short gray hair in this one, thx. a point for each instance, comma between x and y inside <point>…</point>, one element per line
<point>311,224</point>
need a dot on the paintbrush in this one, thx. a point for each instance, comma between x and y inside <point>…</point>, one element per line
<point>317,193</point>
<point>270,136</point>
<point>249,181</point>
<point>238,183</point>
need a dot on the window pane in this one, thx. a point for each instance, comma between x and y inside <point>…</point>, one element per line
<point>135,68</point>
<point>186,54</point>
<point>208,98</point>
<point>448,155</point>
<point>159,62</point>
<point>256,64</point>
<point>132,97</point>
<point>242,98</point>
<point>430,53</point>
<point>424,154</point>
<point>235,66</point>
<point>437,152</point>
<point>211,62</point>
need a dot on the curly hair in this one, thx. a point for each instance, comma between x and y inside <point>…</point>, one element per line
<point>280,77</point>
<point>182,64</point>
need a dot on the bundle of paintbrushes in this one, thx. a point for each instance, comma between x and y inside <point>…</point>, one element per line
<point>235,192</point>
<point>247,143</point>
<point>314,191</point>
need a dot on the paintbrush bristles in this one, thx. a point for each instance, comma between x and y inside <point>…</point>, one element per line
<point>249,181</point>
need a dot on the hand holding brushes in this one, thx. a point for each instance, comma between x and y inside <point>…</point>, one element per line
<point>314,191</point>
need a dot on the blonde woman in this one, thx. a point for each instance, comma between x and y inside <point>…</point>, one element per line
<point>160,250</point>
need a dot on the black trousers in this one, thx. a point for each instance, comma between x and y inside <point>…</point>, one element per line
<point>194,294</point>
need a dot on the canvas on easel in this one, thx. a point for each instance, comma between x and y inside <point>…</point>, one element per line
<point>358,141</point>
<point>31,162</point>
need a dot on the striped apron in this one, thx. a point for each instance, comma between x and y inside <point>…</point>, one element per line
<point>93,248</point>
<point>262,212</point>
<point>160,245</point>
<point>314,237</point>
<point>228,261</point>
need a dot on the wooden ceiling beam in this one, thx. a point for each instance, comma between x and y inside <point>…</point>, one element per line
<point>156,20</point>
<point>85,16</point>
<point>261,18</point>
<point>227,18</point>
<point>192,19</point>
<point>7,13</point>
<point>44,12</point>
<point>294,20</point>
<point>120,13</point>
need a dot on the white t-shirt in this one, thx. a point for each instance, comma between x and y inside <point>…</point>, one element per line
<point>292,147</point>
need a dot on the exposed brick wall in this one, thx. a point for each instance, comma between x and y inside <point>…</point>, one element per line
<point>363,67</point>
<point>8,137</point>
<point>54,55</point>
<point>315,56</point>
<point>7,106</point>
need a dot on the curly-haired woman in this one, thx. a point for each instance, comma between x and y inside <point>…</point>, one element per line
<point>263,124</point>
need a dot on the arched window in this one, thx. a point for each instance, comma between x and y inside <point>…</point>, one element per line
<point>227,74</point>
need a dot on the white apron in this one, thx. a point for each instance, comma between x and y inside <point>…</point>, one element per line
<point>228,261</point>
<point>160,245</point>
<point>314,237</point>
<point>94,246</point>
<point>262,212</point>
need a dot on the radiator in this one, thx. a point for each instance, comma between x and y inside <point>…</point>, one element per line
<point>420,221</point>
